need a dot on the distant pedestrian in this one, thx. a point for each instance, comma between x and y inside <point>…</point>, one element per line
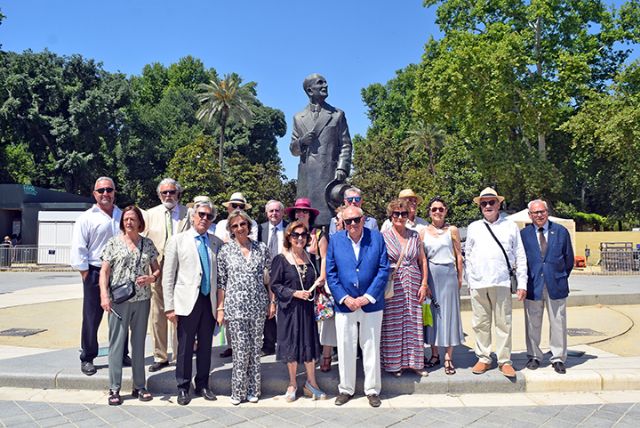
<point>549,264</point>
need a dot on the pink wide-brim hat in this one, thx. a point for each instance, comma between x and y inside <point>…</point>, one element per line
<point>301,204</point>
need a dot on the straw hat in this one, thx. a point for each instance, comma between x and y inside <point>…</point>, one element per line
<point>408,193</point>
<point>488,192</point>
<point>237,198</point>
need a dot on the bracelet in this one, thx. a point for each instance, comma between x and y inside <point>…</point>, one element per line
<point>273,302</point>
<point>425,287</point>
<point>219,309</point>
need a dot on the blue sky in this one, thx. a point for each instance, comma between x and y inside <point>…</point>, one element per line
<point>276,43</point>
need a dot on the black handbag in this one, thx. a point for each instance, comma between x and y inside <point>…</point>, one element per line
<point>120,293</point>
<point>512,272</point>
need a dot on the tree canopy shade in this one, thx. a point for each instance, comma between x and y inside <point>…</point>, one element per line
<point>223,100</point>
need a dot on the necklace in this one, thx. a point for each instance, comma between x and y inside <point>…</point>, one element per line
<point>304,269</point>
<point>439,230</point>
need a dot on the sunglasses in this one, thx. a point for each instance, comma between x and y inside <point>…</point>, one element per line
<point>437,209</point>
<point>296,235</point>
<point>105,189</point>
<point>355,220</point>
<point>168,192</point>
<point>352,199</point>
<point>238,225</point>
<point>399,214</point>
<point>237,206</point>
<point>491,203</point>
<point>208,216</point>
<point>302,212</point>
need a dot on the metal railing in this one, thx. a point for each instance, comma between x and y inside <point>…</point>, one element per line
<point>613,262</point>
<point>28,256</point>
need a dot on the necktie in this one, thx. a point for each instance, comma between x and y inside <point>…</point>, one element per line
<point>168,224</point>
<point>205,282</point>
<point>273,242</point>
<point>543,241</point>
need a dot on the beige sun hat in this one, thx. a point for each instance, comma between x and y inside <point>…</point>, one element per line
<point>409,193</point>
<point>488,192</point>
<point>237,198</point>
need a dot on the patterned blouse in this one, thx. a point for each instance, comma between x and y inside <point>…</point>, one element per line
<point>242,280</point>
<point>123,263</point>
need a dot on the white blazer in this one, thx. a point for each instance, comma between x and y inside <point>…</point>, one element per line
<point>182,272</point>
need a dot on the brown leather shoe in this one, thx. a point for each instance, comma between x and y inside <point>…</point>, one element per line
<point>480,367</point>
<point>507,370</point>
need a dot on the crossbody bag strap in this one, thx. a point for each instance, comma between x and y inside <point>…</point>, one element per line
<point>506,258</point>
<point>404,249</point>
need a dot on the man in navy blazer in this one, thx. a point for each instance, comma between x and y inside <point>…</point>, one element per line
<point>550,261</point>
<point>357,272</point>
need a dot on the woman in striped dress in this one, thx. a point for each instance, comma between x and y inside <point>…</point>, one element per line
<point>402,332</point>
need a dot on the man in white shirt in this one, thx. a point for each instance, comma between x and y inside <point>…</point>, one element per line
<point>490,282</point>
<point>163,221</point>
<point>271,233</point>
<point>91,232</point>
<point>414,223</point>
<point>237,201</point>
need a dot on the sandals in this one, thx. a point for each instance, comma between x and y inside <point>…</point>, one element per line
<point>432,362</point>
<point>421,372</point>
<point>326,364</point>
<point>142,394</point>
<point>313,392</point>
<point>396,374</point>
<point>114,398</point>
<point>290,396</point>
<point>449,368</point>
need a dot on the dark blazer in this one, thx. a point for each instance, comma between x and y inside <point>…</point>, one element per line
<point>556,266</point>
<point>347,276</point>
<point>263,231</point>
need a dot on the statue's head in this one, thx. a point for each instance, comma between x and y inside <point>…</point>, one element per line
<point>316,88</point>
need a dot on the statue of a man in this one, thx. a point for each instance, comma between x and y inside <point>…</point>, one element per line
<point>321,138</point>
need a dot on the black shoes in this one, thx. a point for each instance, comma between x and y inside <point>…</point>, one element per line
<point>374,400</point>
<point>265,352</point>
<point>158,366</point>
<point>226,354</point>
<point>206,393</point>
<point>342,399</point>
<point>88,368</point>
<point>533,364</point>
<point>559,367</point>
<point>183,397</point>
<point>126,361</point>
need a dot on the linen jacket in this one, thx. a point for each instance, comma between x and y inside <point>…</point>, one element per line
<point>182,272</point>
<point>154,219</point>
<point>368,274</point>
<point>554,269</point>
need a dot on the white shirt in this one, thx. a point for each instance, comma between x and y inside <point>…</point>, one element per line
<point>91,232</point>
<point>356,250</point>
<point>485,265</point>
<point>223,233</point>
<point>413,225</point>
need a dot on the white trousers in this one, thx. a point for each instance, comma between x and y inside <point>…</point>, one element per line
<point>557,313</point>
<point>369,326</point>
<point>488,303</point>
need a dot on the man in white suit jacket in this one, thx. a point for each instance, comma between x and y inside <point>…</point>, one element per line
<point>163,221</point>
<point>189,285</point>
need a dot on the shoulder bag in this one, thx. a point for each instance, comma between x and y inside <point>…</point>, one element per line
<point>122,292</point>
<point>512,272</point>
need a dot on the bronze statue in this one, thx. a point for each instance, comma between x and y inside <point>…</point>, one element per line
<point>321,138</point>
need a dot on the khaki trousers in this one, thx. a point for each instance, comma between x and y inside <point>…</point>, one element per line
<point>161,328</point>
<point>557,312</point>
<point>487,304</point>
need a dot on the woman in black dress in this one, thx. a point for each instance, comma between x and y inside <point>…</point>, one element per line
<point>293,276</point>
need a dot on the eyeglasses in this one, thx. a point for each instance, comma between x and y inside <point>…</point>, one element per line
<point>296,235</point>
<point>355,220</point>
<point>398,214</point>
<point>491,203</point>
<point>208,216</point>
<point>237,206</point>
<point>541,212</point>
<point>168,192</point>
<point>437,209</point>
<point>105,189</point>
<point>238,225</point>
<point>352,199</point>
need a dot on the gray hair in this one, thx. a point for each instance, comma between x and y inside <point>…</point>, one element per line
<point>546,207</point>
<point>274,201</point>
<point>233,215</point>
<point>170,182</point>
<point>104,179</point>
<point>353,207</point>
<point>353,189</point>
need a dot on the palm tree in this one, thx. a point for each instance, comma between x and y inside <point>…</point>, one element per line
<point>425,136</point>
<point>224,100</point>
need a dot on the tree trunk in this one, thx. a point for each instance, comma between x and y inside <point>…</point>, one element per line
<point>542,145</point>
<point>223,125</point>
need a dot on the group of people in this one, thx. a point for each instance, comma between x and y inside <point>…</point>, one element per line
<point>262,283</point>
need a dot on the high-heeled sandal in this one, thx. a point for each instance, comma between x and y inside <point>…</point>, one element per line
<point>290,397</point>
<point>432,362</point>
<point>449,368</point>
<point>114,398</point>
<point>326,364</point>
<point>313,392</point>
